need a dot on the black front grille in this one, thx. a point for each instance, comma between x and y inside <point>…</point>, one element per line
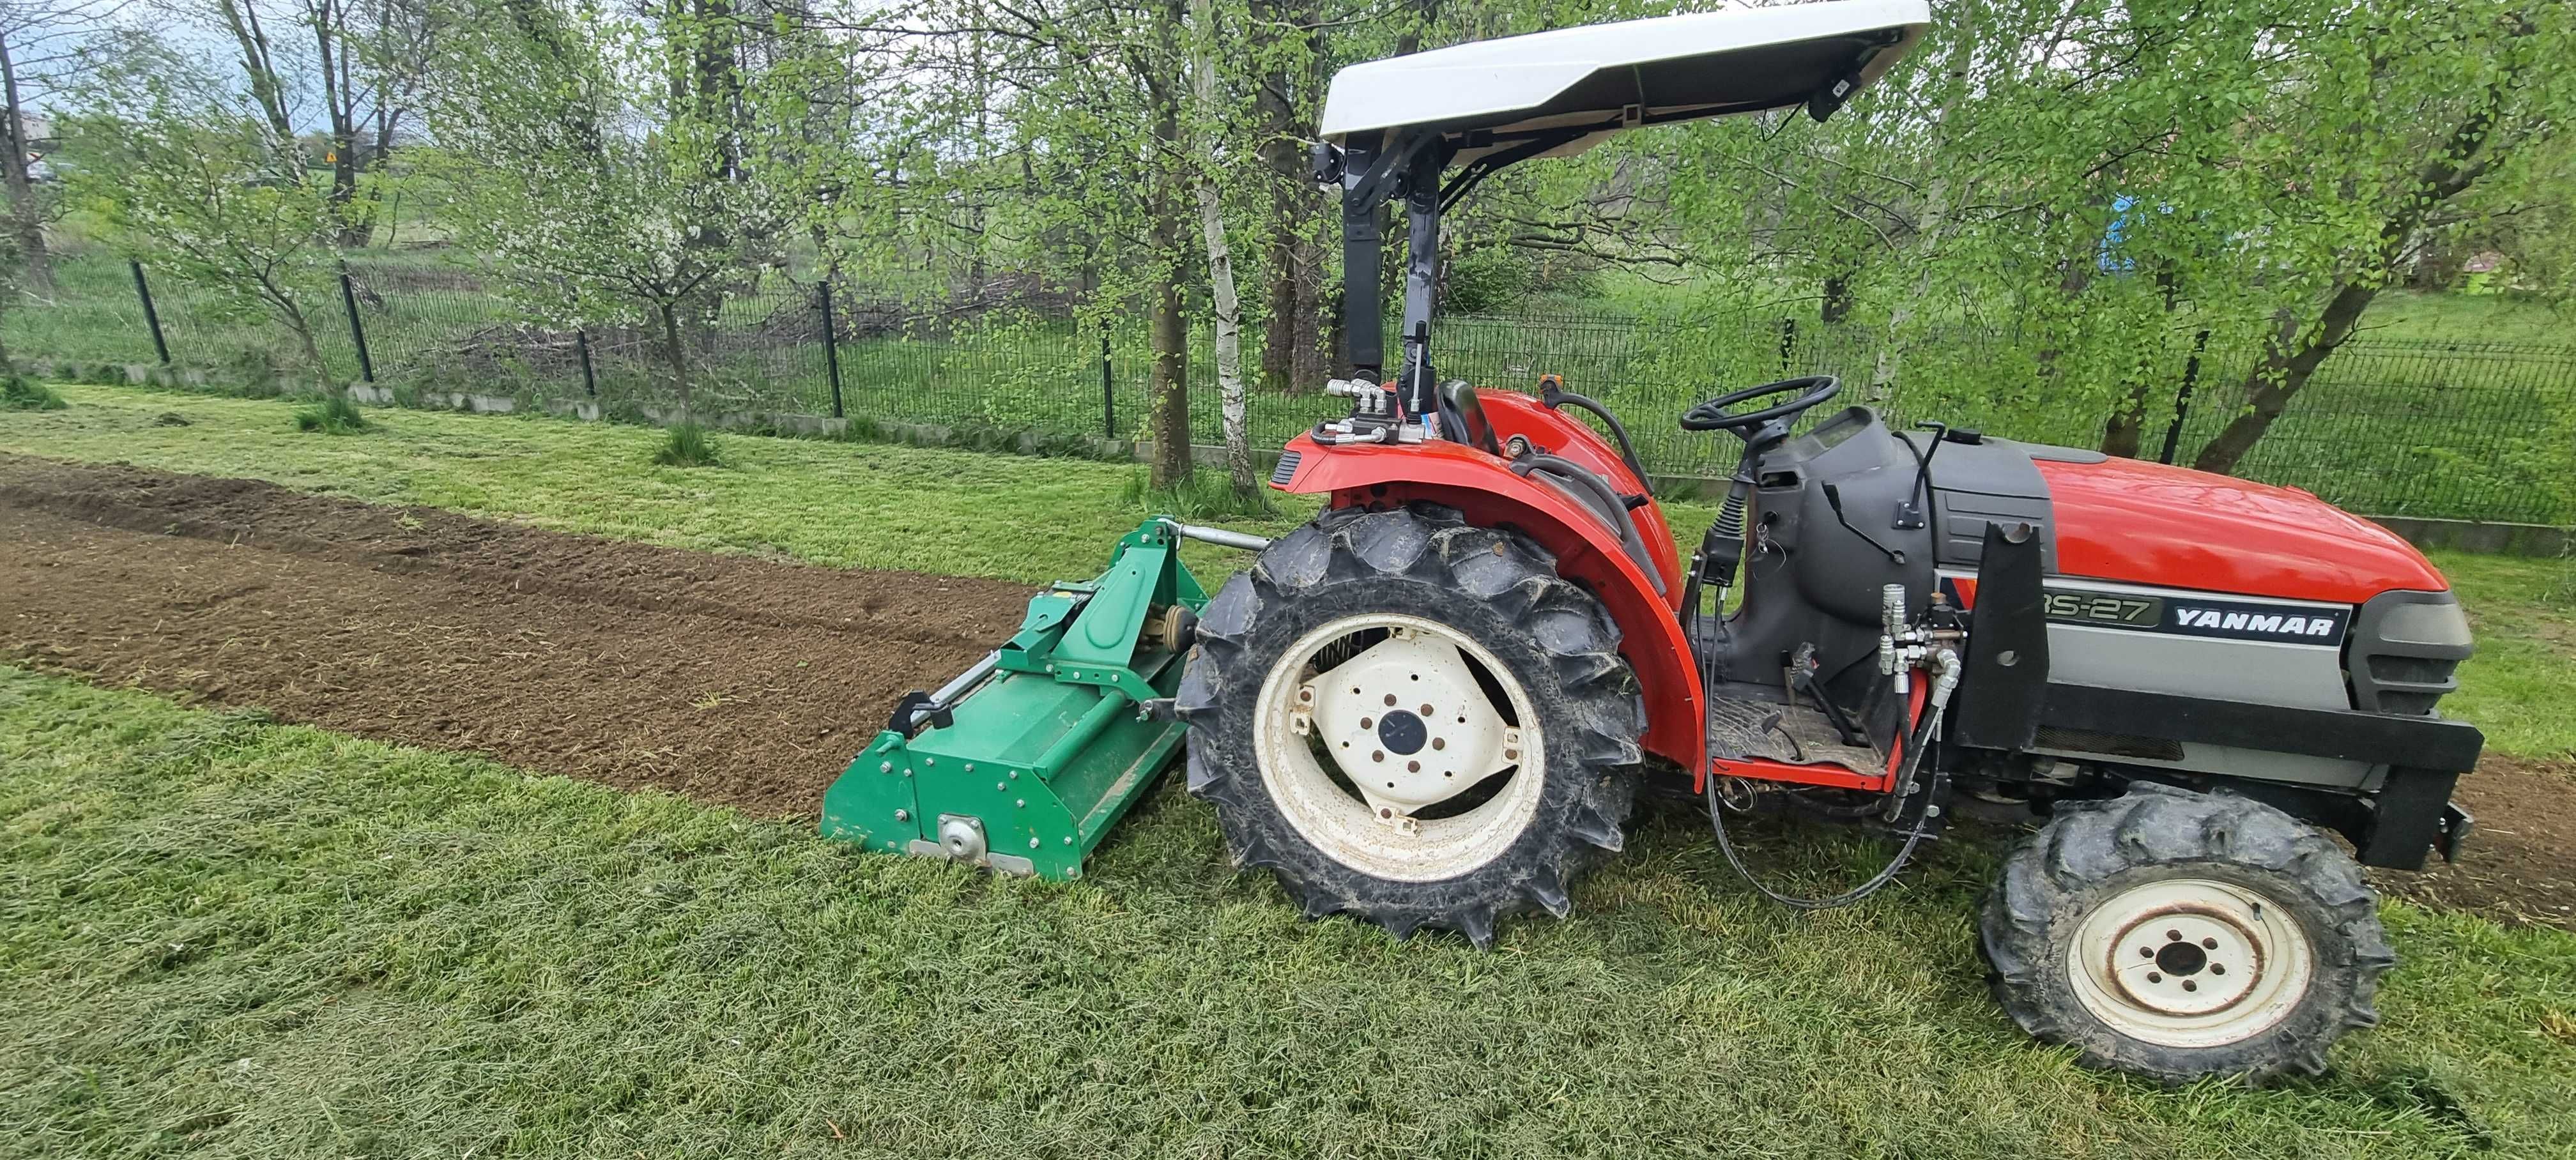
<point>1287,468</point>
<point>2406,651</point>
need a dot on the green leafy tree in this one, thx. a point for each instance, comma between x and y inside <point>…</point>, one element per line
<point>186,174</point>
<point>612,168</point>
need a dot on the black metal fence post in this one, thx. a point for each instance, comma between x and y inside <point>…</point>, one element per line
<point>151,317</point>
<point>581,346</point>
<point>357,330</point>
<point>831,345</point>
<point>2182,397</point>
<point>1108,393</point>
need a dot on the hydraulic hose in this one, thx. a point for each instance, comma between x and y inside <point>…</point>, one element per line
<point>1914,748</point>
<point>1627,450</point>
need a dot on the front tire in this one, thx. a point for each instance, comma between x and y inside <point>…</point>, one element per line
<point>2177,935</point>
<point>1473,749</point>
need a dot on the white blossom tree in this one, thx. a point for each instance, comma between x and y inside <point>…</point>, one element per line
<point>609,167</point>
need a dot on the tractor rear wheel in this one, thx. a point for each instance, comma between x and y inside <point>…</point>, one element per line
<point>2178,935</point>
<point>1413,720</point>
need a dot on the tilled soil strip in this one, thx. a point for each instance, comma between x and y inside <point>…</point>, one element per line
<point>727,678</point>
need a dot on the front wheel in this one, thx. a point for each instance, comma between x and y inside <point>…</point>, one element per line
<point>2178,935</point>
<point>1413,720</point>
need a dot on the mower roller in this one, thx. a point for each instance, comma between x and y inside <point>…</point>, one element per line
<point>1437,704</point>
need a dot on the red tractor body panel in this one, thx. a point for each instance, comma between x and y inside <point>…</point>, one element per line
<point>1485,490</point>
<point>2147,523</point>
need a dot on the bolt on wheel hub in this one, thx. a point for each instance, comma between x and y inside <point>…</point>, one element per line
<point>1407,723</point>
<point>1371,720</point>
<point>2188,962</point>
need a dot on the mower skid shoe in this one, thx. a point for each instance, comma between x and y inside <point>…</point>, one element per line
<point>1026,772</point>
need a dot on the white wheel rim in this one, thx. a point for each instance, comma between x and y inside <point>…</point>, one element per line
<point>1364,709</point>
<point>2190,962</point>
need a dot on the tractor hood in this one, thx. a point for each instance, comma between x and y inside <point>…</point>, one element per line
<point>2146,523</point>
<point>1632,73</point>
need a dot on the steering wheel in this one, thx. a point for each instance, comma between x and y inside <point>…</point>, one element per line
<point>1714,416</point>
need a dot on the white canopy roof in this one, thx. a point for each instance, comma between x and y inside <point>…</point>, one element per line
<point>1638,71</point>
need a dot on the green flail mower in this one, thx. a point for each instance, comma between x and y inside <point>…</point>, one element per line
<point>1025,761</point>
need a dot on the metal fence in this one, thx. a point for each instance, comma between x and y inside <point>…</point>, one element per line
<point>2458,430</point>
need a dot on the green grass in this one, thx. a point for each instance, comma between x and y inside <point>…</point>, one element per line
<point>2418,316</point>
<point>2521,686</point>
<point>229,937</point>
<point>851,504</point>
<point>232,938</point>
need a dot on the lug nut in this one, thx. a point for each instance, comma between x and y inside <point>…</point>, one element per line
<point>2210,943</point>
<point>2153,977</point>
<point>1390,700</point>
<point>2188,985</point>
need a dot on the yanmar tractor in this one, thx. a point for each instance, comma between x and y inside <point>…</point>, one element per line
<point>1435,705</point>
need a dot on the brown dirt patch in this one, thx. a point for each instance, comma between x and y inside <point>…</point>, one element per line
<point>730,679</point>
<point>2520,864</point>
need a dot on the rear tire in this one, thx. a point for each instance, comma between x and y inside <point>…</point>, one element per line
<point>2177,935</point>
<point>1484,614</point>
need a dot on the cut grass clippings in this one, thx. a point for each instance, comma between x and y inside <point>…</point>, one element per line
<point>233,938</point>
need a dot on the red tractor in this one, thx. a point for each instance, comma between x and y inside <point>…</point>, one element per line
<point>1435,705</point>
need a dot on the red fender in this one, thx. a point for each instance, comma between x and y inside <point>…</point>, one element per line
<point>1484,489</point>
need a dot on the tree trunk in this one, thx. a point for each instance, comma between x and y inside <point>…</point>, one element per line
<point>339,105</point>
<point>678,352</point>
<point>2284,369</point>
<point>2120,433</point>
<point>1837,304</point>
<point>2288,359</point>
<point>1228,308</point>
<point>1167,378</point>
<point>258,66</point>
<point>1167,382</point>
<point>303,328</point>
<point>1309,365</point>
<point>26,218</point>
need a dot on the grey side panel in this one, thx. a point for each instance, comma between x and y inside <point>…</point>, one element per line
<point>2253,671</point>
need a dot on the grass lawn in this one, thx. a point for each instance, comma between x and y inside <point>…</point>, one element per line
<point>226,937</point>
